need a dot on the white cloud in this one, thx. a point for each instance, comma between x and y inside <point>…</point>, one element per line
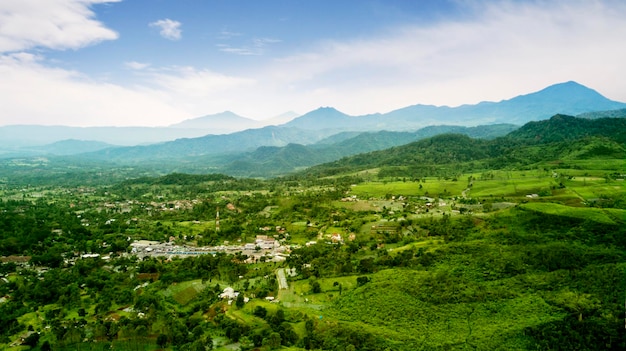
<point>244,51</point>
<point>169,29</point>
<point>501,50</point>
<point>196,83</point>
<point>255,47</point>
<point>197,91</point>
<point>136,65</point>
<point>32,93</point>
<point>56,24</point>
<point>226,35</point>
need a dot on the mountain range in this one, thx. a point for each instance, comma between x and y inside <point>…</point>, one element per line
<point>568,98</point>
<point>322,135</point>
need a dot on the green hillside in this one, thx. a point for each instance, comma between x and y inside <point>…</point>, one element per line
<point>446,243</point>
<point>557,139</point>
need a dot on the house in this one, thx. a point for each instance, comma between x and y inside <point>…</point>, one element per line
<point>266,242</point>
<point>229,293</point>
<point>336,238</point>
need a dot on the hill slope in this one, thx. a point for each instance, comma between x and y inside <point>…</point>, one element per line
<point>559,137</point>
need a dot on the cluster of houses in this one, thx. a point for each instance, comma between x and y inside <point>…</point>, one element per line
<point>264,246</point>
<point>230,295</point>
<point>263,242</point>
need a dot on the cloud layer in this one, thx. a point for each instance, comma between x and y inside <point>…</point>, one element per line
<point>495,51</point>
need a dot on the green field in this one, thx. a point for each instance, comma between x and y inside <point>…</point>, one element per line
<point>184,292</point>
<point>430,187</point>
<point>592,214</point>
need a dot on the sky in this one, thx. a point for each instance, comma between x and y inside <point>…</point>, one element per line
<point>159,62</point>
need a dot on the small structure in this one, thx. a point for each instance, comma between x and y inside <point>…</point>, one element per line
<point>229,293</point>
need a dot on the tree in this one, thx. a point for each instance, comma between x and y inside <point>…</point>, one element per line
<point>197,331</point>
<point>32,340</point>
<point>278,318</point>
<point>366,265</point>
<point>260,311</point>
<point>316,288</point>
<point>162,340</point>
<point>245,343</point>
<point>309,326</point>
<point>362,280</point>
<point>272,341</point>
<point>239,302</point>
<point>46,346</point>
<point>288,336</point>
<point>197,345</point>
<point>208,342</point>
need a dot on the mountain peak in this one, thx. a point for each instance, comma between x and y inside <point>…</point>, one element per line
<point>223,122</point>
<point>322,118</point>
<point>326,109</point>
<point>569,90</point>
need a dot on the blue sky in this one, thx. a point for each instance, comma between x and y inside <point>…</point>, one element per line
<point>157,62</point>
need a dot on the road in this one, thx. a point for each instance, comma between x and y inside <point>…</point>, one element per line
<point>282,279</point>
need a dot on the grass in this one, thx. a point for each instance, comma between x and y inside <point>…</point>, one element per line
<point>509,187</point>
<point>184,292</point>
<point>300,297</point>
<point>191,227</point>
<point>588,213</point>
<point>591,189</point>
<point>432,187</point>
<point>387,307</point>
<point>595,166</point>
<point>426,244</point>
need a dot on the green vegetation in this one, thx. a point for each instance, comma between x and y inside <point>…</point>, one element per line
<point>444,244</point>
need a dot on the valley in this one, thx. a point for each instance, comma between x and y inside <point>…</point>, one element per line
<point>449,242</point>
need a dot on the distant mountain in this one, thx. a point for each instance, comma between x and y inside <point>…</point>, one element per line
<point>200,137</point>
<point>621,113</point>
<point>325,118</point>
<point>280,119</point>
<point>220,123</point>
<point>565,98</point>
<point>233,143</point>
<point>274,161</point>
<point>19,136</point>
<point>72,147</point>
<point>35,135</point>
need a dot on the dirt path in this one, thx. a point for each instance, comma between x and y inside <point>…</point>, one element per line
<point>464,193</point>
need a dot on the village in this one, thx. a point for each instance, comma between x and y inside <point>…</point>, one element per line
<point>264,249</point>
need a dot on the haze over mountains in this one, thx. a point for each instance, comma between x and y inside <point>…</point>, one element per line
<point>327,133</point>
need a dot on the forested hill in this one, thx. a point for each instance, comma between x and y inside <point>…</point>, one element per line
<point>273,161</point>
<point>563,127</point>
<point>561,137</point>
<point>621,113</point>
